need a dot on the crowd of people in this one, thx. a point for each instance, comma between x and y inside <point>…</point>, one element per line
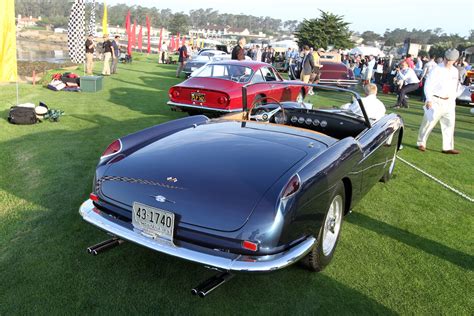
<point>111,54</point>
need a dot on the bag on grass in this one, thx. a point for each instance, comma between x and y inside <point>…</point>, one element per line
<point>22,115</point>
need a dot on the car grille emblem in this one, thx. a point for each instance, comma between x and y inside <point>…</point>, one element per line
<point>161,199</point>
<point>172,179</point>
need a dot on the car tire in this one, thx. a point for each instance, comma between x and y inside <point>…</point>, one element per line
<point>321,254</point>
<point>389,172</point>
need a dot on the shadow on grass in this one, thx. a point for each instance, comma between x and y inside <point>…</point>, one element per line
<point>150,102</point>
<point>434,248</point>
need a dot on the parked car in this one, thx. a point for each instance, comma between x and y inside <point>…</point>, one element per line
<point>217,87</point>
<point>332,73</point>
<point>253,191</point>
<point>203,57</point>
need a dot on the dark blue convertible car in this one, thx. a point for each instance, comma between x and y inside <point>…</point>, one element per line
<point>252,191</point>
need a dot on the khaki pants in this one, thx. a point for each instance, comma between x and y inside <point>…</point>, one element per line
<point>305,78</point>
<point>180,68</point>
<point>89,63</point>
<point>106,69</point>
<point>114,65</point>
<point>444,111</point>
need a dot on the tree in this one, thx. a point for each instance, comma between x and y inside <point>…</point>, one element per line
<point>179,23</point>
<point>328,30</point>
<point>370,36</point>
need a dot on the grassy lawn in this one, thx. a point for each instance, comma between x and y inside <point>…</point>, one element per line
<point>408,247</point>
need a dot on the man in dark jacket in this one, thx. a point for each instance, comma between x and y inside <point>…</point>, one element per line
<point>307,65</point>
<point>183,56</point>
<point>238,53</point>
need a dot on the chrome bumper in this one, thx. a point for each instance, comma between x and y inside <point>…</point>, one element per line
<point>208,257</point>
<point>181,105</point>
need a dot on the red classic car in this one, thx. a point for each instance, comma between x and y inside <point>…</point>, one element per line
<point>332,73</point>
<point>217,87</point>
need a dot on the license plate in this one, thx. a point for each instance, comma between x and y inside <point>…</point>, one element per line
<point>198,97</point>
<point>153,221</point>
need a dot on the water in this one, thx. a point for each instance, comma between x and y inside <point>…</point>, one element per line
<point>39,51</point>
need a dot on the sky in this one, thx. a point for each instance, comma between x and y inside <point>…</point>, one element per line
<point>374,15</point>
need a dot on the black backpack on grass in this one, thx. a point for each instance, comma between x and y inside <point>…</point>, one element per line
<point>22,115</point>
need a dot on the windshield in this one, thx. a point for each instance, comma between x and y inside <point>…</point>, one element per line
<point>228,72</point>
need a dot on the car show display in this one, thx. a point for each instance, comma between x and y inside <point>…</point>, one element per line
<point>252,191</point>
<point>217,87</point>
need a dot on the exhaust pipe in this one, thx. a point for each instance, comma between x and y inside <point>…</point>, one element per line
<point>205,288</point>
<point>103,246</point>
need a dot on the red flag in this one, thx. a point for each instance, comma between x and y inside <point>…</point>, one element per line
<point>171,46</point>
<point>177,42</point>
<point>129,35</point>
<point>161,39</point>
<point>127,22</point>
<point>134,34</point>
<point>148,49</point>
<point>140,39</point>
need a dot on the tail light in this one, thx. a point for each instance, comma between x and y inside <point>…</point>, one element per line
<point>223,100</point>
<point>472,97</point>
<point>292,187</point>
<point>174,93</point>
<point>112,149</point>
<point>249,245</point>
<point>93,197</point>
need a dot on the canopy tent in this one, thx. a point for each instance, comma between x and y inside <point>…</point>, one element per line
<point>367,50</point>
<point>282,46</point>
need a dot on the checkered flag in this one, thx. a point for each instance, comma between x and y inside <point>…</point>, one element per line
<point>92,26</point>
<point>75,32</point>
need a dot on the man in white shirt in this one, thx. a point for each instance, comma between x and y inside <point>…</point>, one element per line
<point>370,69</point>
<point>441,89</point>
<point>410,82</point>
<point>374,108</point>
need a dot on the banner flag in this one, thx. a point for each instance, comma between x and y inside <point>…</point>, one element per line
<point>129,34</point>
<point>148,49</point>
<point>8,65</point>
<point>161,39</point>
<point>105,29</point>
<point>92,26</point>
<point>140,39</point>
<point>134,34</point>
<point>76,32</point>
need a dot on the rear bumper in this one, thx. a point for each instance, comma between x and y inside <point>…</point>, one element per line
<point>208,257</point>
<point>199,107</point>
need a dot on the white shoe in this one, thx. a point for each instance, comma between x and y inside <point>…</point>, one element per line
<point>311,93</point>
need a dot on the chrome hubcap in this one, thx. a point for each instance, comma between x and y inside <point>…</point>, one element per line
<point>332,225</point>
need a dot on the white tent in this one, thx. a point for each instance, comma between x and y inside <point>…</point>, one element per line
<point>284,45</point>
<point>367,50</point>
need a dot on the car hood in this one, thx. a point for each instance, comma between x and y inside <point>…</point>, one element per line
<point>211,175</point>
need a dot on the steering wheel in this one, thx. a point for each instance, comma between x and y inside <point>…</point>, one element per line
<point>262,113</point>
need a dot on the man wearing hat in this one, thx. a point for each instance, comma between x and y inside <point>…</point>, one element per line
<point>441,88</point>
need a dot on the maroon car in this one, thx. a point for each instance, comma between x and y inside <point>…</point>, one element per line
<point>332,73</point>
<point>217,87</point>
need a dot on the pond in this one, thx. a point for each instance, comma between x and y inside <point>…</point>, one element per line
<point>40,51</point>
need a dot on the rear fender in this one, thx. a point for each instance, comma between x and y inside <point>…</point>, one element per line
<point>319,179</point>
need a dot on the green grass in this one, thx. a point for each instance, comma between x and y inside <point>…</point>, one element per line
<point>406,249</point>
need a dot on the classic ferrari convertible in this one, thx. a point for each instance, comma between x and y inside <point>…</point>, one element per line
<point>253,191</point>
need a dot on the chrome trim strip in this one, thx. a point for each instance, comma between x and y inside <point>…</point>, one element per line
<point>201,107</point>
<point>208,257</point>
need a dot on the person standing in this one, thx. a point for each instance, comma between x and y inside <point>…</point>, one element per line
<point>408,81</point>
<point>116,49</point>
<point>238,53</point>
<point>163,52</point>
<point>258,54</point>
<point>426,70</point>
<point>89,54</point>
<point>108,54</point>
<point>307,64</point>
<point>441,89</point>
<point>369,70</point>
<point>183,56</point>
